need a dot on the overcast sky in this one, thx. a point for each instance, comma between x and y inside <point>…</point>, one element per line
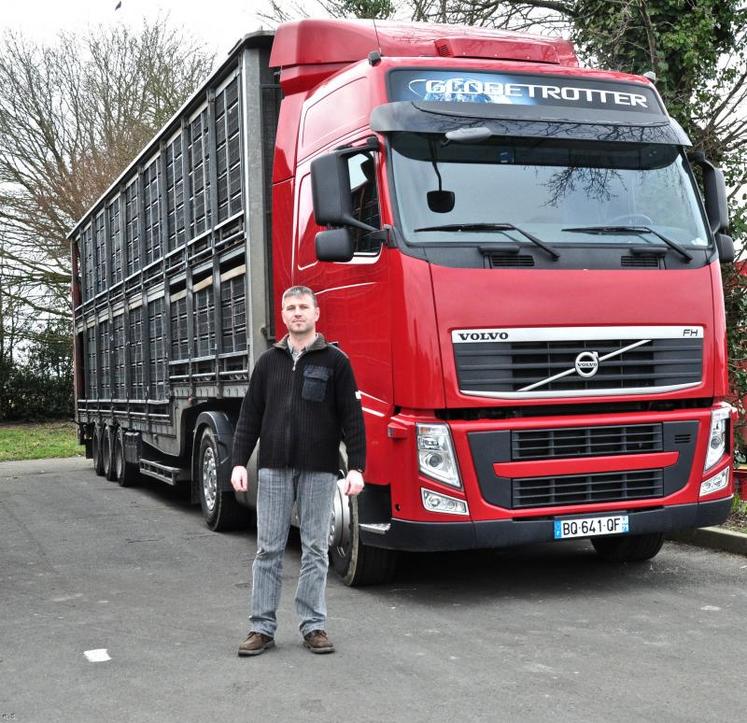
<point>217,23</point>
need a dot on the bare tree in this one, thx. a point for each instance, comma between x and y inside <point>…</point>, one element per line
<point>72,116</point>
<point>16,325</point>
<point>275,12</point>
<point>720,112</point>
<point>530,15</point>
<point>499,14</point>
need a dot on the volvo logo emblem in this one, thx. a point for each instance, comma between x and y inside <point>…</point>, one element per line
<point>587,363</point>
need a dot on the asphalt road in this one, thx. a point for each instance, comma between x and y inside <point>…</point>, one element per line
<point>543,633</point>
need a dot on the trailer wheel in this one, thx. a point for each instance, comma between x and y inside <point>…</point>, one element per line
<point>633,548</point>
<point>357,564</point>
<point>98,456</point>
<point>220,509</point>
<point>127,474</point>
<point>107,451</point>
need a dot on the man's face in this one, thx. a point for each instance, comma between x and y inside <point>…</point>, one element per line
<point>299,314</point>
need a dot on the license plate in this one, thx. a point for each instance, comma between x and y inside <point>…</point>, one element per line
<point>590,526</point>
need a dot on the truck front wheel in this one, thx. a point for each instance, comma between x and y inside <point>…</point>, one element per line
<point>219,508</point>
<point>357,564</point>
<point>628,548</point>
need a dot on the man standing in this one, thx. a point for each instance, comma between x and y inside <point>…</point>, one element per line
<point>301,402</point>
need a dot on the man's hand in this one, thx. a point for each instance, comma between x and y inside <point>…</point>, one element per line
<point>239,478</point>
<point>353,484</point>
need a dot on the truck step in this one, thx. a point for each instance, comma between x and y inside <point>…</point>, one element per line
<point>162,472</point>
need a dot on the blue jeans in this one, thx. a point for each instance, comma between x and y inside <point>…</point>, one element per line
<point>313,493</point>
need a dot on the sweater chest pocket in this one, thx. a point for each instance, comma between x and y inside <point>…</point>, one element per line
<point>315,379</point>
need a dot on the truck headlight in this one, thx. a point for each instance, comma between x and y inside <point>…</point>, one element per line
<point>717,439</point>
<point>716,483</point>
<point>436,454</point>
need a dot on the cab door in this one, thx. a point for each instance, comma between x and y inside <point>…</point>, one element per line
<point>354,296</point>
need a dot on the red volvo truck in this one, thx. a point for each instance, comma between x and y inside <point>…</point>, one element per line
<point>520,256</point>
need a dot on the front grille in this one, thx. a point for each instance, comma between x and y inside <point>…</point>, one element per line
<point>584,489</point>
<point>585,441</point>
<point>511,367</point>
<point>573,485</point>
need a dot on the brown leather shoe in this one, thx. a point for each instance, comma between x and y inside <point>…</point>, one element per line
<point>256,644</point>
<point>318,642</point>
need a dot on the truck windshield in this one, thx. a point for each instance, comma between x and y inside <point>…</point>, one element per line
<point>561,191</point>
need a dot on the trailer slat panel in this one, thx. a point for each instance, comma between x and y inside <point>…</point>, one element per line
<point>151,343</point>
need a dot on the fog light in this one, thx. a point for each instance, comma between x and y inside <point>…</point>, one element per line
<point>435,502</point>
<point>716,483</point>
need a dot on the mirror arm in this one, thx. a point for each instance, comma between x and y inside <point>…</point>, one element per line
<point>387,235</point>
<point>698,158</point>
<point>370,144</point>
<point>355,223</point>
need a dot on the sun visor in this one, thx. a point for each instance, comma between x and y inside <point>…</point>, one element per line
<point>581,106</point>
<point>523,120</point>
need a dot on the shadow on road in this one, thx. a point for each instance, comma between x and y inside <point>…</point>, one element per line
<point>567,569</point>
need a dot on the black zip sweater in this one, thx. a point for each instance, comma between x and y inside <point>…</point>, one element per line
<point>301,411</point>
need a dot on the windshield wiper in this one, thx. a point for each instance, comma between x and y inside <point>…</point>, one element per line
<point>494,227</point>
<point>634,230</point>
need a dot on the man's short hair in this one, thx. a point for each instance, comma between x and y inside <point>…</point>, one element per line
<point>299,291</point>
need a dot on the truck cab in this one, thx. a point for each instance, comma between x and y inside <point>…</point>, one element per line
<point>515,255</point>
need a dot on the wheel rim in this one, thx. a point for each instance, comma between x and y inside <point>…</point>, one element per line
<point>209,477</point>
<point>118,459</point>
<point>107,447</point>
<point>339,528</point>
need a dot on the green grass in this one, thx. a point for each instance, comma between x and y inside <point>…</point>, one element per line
<point>58,439</point>
<point>38,441</point>
<point>738,517</point>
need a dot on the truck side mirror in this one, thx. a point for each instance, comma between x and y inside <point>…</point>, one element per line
<point>714,186</point>
<point>330,191</point>
<point>335,245</point>
<point>717,207</point>
<point>725,247</point>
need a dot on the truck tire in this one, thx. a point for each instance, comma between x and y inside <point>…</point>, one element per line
<point>127,474</point>
<point>630,548</point>
<point>220,509</point>
<point>107,450</point>
<point>356,564</point>
<point>98,456</point>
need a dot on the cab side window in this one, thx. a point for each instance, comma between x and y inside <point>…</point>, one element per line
<point>365,201</point>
